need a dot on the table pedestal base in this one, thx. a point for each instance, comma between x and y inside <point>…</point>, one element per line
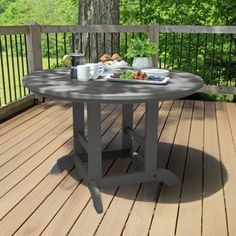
<point>88,155</point>
<point>67,163</point>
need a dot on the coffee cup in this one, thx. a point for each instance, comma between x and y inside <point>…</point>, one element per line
<point>96,69</point>
<point>83,73</point>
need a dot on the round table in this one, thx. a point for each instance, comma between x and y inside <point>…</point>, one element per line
<point>88,153</point>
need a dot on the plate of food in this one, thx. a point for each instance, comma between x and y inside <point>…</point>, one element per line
<point>114,62</point>
<point>130,76</point>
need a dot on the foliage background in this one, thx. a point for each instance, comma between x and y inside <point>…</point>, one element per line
<point>52,12</point>
<point>172,12</point>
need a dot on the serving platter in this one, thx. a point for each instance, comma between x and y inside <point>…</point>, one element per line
<point>156,82</point>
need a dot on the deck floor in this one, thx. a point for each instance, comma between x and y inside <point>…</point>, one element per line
<point>197,141</point>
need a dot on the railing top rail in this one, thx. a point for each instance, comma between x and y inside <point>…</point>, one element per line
<point>93,28</point>
<point>198,29</point>
<point>11,30</point>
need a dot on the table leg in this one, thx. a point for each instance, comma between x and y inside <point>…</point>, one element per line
<point>150,146</point>
<point>94,153</point>
<point>150,143</point>
<point>78,127</point>
<point>66,162</point>
<point>127,122</point>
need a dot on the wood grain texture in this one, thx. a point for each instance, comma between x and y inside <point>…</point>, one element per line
<point>198,29</point>
<point>164,223</point>
<point>200,133</point>
<point>214,218</point>
<point>228,154</point>
<point>190,210</point>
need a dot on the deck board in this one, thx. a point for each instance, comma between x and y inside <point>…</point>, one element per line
<point>196,141</point>
<point>190,208</point>
<point>228,160</point>
<point>169,197</point>
<point>212,178</point>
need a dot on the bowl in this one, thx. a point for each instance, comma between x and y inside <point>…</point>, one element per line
<point>156,72</point>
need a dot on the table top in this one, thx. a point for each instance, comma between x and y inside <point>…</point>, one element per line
<point>57,84</point>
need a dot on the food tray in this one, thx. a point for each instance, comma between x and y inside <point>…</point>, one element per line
<point>164,81</point>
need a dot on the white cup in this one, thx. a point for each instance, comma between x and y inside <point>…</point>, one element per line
<point>83,73</point>
<point>96,69</point>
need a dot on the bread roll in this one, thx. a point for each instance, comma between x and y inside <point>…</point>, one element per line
<point>105,57</point>
<point>116,57</point>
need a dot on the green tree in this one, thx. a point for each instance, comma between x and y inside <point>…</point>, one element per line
<point>99,12</point>
<point>44,12</point>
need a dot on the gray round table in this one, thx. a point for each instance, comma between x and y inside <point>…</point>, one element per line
<point>88,153</point>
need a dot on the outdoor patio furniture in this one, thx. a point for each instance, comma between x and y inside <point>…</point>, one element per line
<point>88,154</point>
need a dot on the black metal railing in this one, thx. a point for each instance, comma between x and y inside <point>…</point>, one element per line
<point>212,56</point>
<point>56,45</point>
<point>207,51</point>
<point>13,66</point>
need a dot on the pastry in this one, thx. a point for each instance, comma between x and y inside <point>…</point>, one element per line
<point>116,57</point>
<point>105,57</point>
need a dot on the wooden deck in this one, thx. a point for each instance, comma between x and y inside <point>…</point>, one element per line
<point>197,142</point>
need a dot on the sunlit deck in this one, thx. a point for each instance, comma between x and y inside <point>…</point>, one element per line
<point>197,141</point>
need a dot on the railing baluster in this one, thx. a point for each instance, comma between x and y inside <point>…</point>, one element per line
<point>8,70</point>
<point>3,72</point>
<point>104,43</point>
<point>81,42</point>
<point>56,39</point>
<point>22,61</point>
<point>173,52</point>
<point>13,67</point>
<point>126,42</point>
<point>159,52</point>
<point>18,66</point>
<point>26,55</point>
<point>64,43</point>
<point>48,51</point>
<point>221,57</point>
<point>119,43</point>
<point>197,47</point>
<point>132,35</point>
<point>165,50</point>
<point>96,40</point>
<point>189,49</point>
<point>213,56</point>
<point>181,51</point>
<point>205,53</point>
<point>89,43</point>
<point>73,42</point>
<point>112,46</point>
<point>229,61</point>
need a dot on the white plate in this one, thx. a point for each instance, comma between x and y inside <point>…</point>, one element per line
<point>160,72</point>
<point>164,81</point>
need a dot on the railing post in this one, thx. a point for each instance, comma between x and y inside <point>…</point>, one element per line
<point>153,34</point>
<point>34,53</point>
<point>34,47</point>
